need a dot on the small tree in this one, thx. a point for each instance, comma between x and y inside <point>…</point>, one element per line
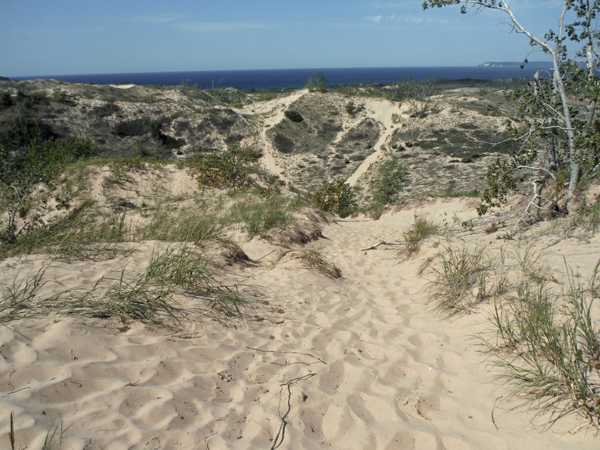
<point>317,83</point>
<point>561,109</point>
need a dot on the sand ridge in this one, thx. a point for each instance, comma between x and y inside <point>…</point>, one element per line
<point>356,363</point>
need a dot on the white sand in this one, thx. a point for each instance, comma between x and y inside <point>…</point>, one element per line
<point>367,363</point>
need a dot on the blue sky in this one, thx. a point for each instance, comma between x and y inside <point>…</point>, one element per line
<point>60,37</point>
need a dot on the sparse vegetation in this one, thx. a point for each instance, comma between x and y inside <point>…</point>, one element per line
<point>466,278</point>
<point>313,259</point>
<point>421,229</point>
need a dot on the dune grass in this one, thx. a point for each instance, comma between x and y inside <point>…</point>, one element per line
<point>466,277</point>
<point>52,441</point>
<point>314,259</point>
<point>152,297</point>
<point>421,229</point>
<point>544,335</point>
<point>547,345</point>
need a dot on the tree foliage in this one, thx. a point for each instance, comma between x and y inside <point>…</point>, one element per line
<point>559,107</point>
<point>317,83</point>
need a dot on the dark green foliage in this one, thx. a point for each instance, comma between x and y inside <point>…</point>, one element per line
<point>231,168</point>
<point>108,109</point>
<point>353,109</point>
<point>317,83</point>
<point>165,140</point>
<point>6,100</point>
<point>21,129</point>
<point>501,180</point>
<point>31,99</point>
<point>283,143</point>
<point>137,127</point>
<point>387,183</point>
<point>337,197</point>
<point>294,116</point>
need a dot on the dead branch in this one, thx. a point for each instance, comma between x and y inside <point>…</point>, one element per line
<point>319,360</point>
<point>373,247</point>
<point>281,432</point>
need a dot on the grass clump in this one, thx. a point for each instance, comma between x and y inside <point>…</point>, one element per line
<point>314,259</point>
<point>16,302</point>
<point>421,229</point>
<point>196,227</point>
<point>261,216</point>
<point>154,297</point>
<point>466,278</point>
<point>547,344</point>
<point>150,298</point>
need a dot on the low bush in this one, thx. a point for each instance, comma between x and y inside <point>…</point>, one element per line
<point>387,184</point>
<point>165,140</point>
<point>337,197</point>
<point>294,116</point>
<point>231,168</point>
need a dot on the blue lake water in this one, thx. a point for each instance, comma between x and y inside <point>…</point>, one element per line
<point>296,78</point>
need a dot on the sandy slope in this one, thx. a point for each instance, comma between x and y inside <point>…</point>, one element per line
<point>367,364</point>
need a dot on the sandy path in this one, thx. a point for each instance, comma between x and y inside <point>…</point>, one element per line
<point>268,114</point>
<point>381,111</point>
<point>367,363</point>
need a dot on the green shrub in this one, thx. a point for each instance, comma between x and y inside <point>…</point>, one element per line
<point>137,127</point>
<point>165,140</point>
<point>337,197</point>
<point>6,100</point>
<point>388,182</point>
<point>21,129</point>
<point>231,168</point>
<point>294,116</point>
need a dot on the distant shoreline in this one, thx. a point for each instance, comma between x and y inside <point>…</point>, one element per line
<point>295,78</point>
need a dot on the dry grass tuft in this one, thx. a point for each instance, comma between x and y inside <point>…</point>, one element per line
<point>313,259</point>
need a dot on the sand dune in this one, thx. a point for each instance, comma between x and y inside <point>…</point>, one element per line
<point>356,363</point>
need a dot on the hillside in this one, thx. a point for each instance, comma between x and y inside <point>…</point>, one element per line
<point>450,137</point>
<point>168,282</point>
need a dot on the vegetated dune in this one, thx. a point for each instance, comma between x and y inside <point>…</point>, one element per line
<point>358,362</point>
<point>452,136</point>
<point>157,312</point>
